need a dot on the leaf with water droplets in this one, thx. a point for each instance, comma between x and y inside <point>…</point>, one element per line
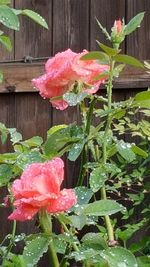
<point>119,257</point>
<point>102,208</point>
<point>27,158</point>
<point>35,247</point>
<point>84,194</point>
<point>5,174</point>
<point>15,136</point>
<point>125,150</point>
<point>73,99</point>
<point>94,240</point>
<point>36,17</point>
<point>97,179</point>
<point>76,150</point>
<point>35,141</point>
<point>8,18</point>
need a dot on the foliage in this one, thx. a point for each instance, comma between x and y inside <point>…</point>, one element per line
<point>114,170</point>
<point>9,17</point>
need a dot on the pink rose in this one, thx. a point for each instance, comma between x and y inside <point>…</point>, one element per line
<point>61,73</point>
<point>39,187</point>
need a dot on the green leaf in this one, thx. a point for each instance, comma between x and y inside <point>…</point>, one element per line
<point>63,138</point>
<point>27,158</point>
<point>8,18</point>
<point>1,77</point>
<point>119,257</point>
<point>76,150</point>
<point>73,99</point>
<point>143,261</point>
<point>8,158</point>
<point>36,17</point>
<point>143,243</point>
<point>134,23</point>
<point>97,179</point>
<point>137,150</point>
<point>15,136</point>
<point>103,75</point>
<point>78,221</point>
<point>35,141</point>
<point>5,174</point>
<point>83,194</point>
<point>5,40</point>
<point>118,69</point>
<point>142,99</point>
<point>3,133</point>
<point>109,50</point>
<point>125,150</point>
<point>35,247</point>
<point>96,55</point>
<point>60,241</point>
<point>94,240</point>
<point>5,2</point>
<point>56,128</point>
<point>128,60</point>
<point>102,208</point>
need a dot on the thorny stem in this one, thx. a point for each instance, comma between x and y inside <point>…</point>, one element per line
<point>46,225</point>
<point>109,226</point>
<point>85,151</point>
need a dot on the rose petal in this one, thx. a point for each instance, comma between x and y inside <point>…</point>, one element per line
<point>23,212</point>
<point>64,202</point>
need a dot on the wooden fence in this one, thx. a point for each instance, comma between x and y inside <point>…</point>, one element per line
<point>71,24</point>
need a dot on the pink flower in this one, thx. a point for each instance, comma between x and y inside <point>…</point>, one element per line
<point>39,187</point>
<point>61,73</point>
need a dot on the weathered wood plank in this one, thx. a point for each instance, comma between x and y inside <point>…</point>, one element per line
<point>34,40</point>
<point>17,77</point>
<point>138,43</point>
<point>70,25</point>
<point>106,11</point>
<point>70,30</point>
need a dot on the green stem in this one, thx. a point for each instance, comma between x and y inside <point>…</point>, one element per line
<point>85,150</point>
<point>10,243</point>
<point>109,226</point>
<point>46,225</point>
<point>75,247</point>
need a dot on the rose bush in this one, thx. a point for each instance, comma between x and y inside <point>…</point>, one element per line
<point>63,71</point>
<point>112,169</point>
<point>39,188</point>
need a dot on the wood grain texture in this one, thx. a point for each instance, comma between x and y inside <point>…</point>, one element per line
<point>106,11</point>
<point>34,40</point>
<point>138,43</point>
<point>70,25</point>
<point>17,78</point>
<point>70,30</point>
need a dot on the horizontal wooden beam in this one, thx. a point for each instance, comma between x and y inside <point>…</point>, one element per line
<point>18,76</point>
